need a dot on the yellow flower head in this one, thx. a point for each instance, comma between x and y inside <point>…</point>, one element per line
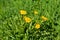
<point>44,18</point>
<point>37,26</point>
<point>27,19</point>
<point>23,12</point>
<point>35,12</point>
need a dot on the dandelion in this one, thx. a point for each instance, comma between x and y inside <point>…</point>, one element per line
<point>27,19</point>
<point>44,18</point>
<point>37,26</point>
<point>23,12</point>
<point>35,12</point>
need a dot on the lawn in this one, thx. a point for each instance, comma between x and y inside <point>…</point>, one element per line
<point>29,19</point>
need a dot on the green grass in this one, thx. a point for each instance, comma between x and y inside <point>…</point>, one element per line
<point>13,27</point>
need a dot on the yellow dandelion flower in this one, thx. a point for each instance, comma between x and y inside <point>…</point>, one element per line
<point>23,12</point>
<point>44,18</point>
<point>35,12</point>
<point>37,26</point>
<point>27,19</point>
